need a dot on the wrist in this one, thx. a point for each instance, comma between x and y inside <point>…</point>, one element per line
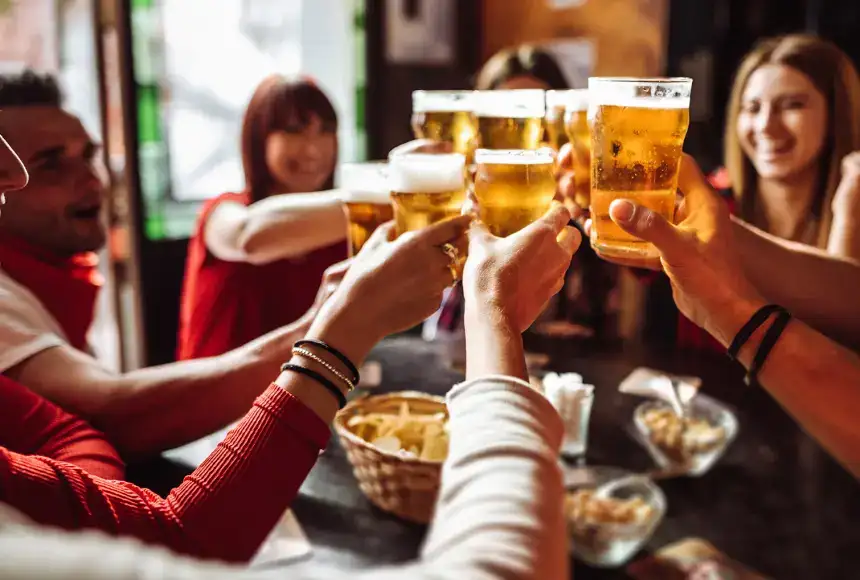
<point>726,319</point>
<point>341,327</point>
<point>483,314</point>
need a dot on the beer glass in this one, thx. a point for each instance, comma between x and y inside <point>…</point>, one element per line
<point>510,119</point>
<point>367,200</point>
<point>576,125</point>
<point>445,116</point>
<point>426,188</point>
<point>556,103</point>
<point>513,187</point>
<point>637,134</point>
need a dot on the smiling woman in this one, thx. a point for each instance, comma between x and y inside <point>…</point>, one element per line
<point>257,257</point>
<point>794,115</point>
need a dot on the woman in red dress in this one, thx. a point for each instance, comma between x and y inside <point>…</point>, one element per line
<point>257,256</point>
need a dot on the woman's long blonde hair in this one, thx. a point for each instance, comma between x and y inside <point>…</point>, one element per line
<point>833,74</point>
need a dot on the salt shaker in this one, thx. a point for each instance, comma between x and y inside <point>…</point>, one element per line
<point>573,400</point>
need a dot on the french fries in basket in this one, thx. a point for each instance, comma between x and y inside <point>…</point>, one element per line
<point>424,436</point>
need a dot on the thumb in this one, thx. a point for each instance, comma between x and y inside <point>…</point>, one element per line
<point>479,233</point>
<point>646,224</point>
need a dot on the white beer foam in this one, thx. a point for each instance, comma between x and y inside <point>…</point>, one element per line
<point>516,104</point>
<point>442,101</point>
<point>670,93</point>
<point>364,183</point>
<point>426,172</point>
<point>570,99</point>
<point>514,156</point>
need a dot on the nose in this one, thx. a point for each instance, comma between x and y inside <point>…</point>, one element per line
<point>768,122</point>
<point>13,174</point>
<point>312,148</point>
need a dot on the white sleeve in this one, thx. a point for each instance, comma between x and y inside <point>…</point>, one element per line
<point>26,327</point>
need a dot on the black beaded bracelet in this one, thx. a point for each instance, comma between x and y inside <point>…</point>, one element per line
<point>766,345</point>
<point>335,353</point>
<point>747,330</point>
<point>341,398</point>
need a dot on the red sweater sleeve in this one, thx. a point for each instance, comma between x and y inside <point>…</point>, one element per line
<point>32,425</point>
<point>223,510</point>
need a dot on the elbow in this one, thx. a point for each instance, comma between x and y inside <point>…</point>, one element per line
<point>249,244</point>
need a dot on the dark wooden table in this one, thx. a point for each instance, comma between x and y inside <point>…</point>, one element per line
<point>776,501</point>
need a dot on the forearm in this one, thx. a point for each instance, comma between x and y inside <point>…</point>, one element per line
<point>492,346</point>
<point>158,408</point>
<point>817,288</point>
<point>844,240</point>
<point>223,510</point>
<point>499,512</point>
<point>32,425</point>
<point>285,226</point>
<point>813,378</point>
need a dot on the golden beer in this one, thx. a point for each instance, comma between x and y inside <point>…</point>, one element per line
<point>637,136</point>
<point>510,119</point>
<point>576,126</point>
<point>367,200</point>
<point>426,188</point>
<point>555,132</point>
<point>445,116</point>
<point>513,187</point>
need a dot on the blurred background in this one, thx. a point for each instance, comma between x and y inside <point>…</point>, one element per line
<point>165,83</point>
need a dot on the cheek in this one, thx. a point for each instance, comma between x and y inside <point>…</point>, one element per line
<point>809,131</point>
<point>277,157</point>
<point>329,150</point>
<point>743,130</point>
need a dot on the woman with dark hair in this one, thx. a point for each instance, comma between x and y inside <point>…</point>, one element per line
<point>523,67</point>
<point>257,257</point>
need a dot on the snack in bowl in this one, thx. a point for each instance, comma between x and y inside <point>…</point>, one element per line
<point>682,437</point>
<point>405,433</point>
<point>691,444</point>
<point>396,444</point>
<point>608,531</point>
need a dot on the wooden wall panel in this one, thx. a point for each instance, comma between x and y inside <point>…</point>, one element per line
<point>629,35</point>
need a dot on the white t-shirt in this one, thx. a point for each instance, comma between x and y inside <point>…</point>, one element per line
<point>26,326</point>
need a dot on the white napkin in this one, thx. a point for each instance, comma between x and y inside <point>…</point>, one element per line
<point>286,543</point>
<point>654,384</point>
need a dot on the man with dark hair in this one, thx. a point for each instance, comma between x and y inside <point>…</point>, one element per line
<point>49,284</point>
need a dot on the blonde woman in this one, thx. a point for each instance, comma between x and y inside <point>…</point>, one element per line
<point>792,140</point>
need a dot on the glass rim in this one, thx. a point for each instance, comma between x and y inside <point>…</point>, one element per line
<point>442,101</point>
<point>541,156</point>
<point>646,92</point>
<point>643,80</point>
<point>563,97</point>
<point>396,159</point>
<point>361,180</point>
<point>514,103</point>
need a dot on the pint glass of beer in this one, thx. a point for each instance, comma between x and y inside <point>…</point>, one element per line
<point>637,134</point>
<point>576,125</point>
<point>445,116</point>
<point>366,199</point>
<point>510,119</point>
<point>556,103</point>
<point>426,188</point>
<point>513,187</point>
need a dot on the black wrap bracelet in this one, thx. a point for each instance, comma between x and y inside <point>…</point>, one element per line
<point>341,398</point>
<point>756,320</point>
<point>766,345</point>
<point>335,353</point>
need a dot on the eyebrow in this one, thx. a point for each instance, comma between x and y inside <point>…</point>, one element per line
<point>782,96</point>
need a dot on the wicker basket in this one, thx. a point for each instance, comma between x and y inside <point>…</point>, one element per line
<point>404,486</point>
